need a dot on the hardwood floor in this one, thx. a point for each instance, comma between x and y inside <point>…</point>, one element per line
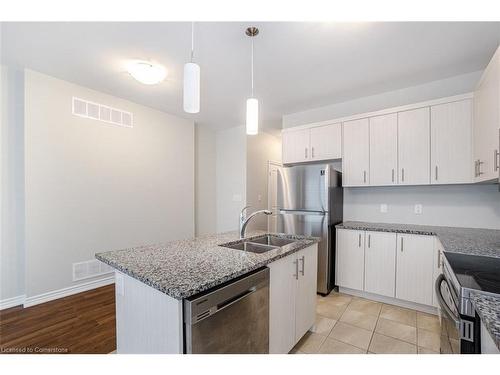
<point>82,323</point>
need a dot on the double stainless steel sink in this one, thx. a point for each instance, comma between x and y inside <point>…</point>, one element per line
<point>259,244</point>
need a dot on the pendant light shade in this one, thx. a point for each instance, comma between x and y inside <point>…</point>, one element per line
<point>191,82</point>
<point>252,125</point>
<point>191,87</point>
<point>252,116</point>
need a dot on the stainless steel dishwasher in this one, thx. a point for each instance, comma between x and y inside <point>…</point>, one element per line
<point>233,318</point>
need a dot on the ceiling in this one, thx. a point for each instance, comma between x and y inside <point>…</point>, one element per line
<point>298,66</point>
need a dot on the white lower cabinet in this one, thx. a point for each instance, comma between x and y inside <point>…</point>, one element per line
<point>350,258</point>
<point>401,266</point>
<point>292,298</point>
<point>380,263</point>
<point>415,268</point>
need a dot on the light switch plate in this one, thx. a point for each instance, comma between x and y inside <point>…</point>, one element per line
<point>418,209</point>
<point>383,208</point>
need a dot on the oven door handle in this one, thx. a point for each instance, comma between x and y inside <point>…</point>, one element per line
<point>442,302</point>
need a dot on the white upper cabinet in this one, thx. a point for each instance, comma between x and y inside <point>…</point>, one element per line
<point>384,150</point>
<point>326,142</point>
<point>451,143</point>
<point>414,146</point>
<point>487,122</point>
<point>356,158</point>
<point>313,144</point>
<point>415,268</point>
<point>295,146</point>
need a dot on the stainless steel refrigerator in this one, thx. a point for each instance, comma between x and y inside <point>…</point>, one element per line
<point>310,202</point>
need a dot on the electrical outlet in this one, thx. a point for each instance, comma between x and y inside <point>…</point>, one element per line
<point>383,208</point>
<point>418,209</point>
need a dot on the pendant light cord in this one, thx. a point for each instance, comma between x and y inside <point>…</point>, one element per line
<point>252,67</point>
<point>192,41</point>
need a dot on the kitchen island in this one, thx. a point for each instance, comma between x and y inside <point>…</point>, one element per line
<point>153,281</point>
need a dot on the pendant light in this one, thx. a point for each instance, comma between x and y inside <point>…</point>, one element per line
<point>192,81</point>
<point>252,124</point>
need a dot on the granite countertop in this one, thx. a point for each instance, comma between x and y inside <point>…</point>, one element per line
<point>488,309</point>
<point>183,268</point>
<point>484,242</point>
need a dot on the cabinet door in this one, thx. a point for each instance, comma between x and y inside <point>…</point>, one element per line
<point>414,146</point>
<point>282,294</point>
<point>350,258</point>
<point>326,142</point>
<point>487,121</point>
<point>384,149</point>
<point>356,158</point>
<point>295,146</point>
<point>414,268</point>
<point>305,307</point>
<point>380,263</point>
<point>451,143</point>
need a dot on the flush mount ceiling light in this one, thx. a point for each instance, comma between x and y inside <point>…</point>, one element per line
<point>192,81</point>
<point>147,72</point>
<point>252,124</point>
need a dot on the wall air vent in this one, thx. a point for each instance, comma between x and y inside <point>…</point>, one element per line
<point>90,268</point>
<point>100,112</point>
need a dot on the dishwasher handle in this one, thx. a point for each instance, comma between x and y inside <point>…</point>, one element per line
<point>232,301</point>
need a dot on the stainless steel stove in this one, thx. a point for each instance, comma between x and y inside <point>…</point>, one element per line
<point>460,332</point>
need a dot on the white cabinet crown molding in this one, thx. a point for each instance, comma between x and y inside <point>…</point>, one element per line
<point>407,107</point>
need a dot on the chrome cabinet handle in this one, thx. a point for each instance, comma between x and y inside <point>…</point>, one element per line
<point>436,173</point>
<point>303,259</point>
<point>296,262</point>
<point>364,176</point>
<point>479,162</point>
<point>495,155</point>
<point>392,174</point>
<point>369,240</point>
<point>305,152</point>
<point>439,259</point>
<point>475,168</point>
<point>359,241</point>
<point>401,244</point>
<point>312,152</point>
<point>402,174</point>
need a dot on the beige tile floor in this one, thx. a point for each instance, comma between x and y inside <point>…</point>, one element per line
<point>346,324</point>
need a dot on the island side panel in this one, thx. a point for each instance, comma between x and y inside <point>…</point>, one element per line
<point>147,321</point>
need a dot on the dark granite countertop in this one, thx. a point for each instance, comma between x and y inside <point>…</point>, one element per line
<point>488,309</point>
<point>473,241</point>
<point>183,268</point>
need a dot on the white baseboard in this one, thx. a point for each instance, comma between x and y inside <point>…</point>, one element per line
<point>64,292</point>
<point>390,300</point>
<point>11,302</point>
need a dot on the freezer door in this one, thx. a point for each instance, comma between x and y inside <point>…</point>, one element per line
<point>304,187</point>
<point>312,223</point>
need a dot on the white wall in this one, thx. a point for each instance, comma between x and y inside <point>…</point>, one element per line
<point>93,187</point>
<point>432,90</point>
<point>261,149</point>
<point>474,206</point>
<point>230,177</point>
<point>12,184</point>
<point>205,202</point>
